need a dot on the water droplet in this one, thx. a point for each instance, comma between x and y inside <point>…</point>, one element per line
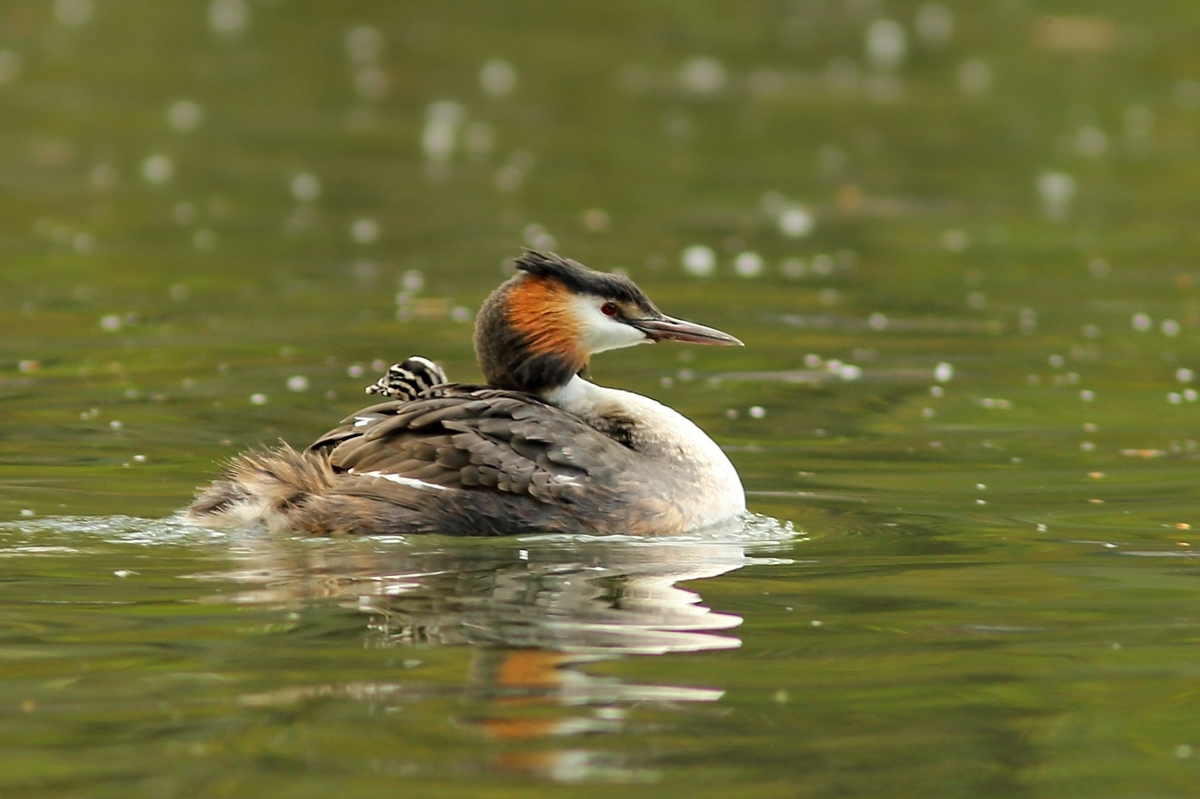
<point>204,240</point>
<point>1141,322</point>
<point>73,13</point>
<point>1170,328</point>
<point>887,44</point>
<point>594,220</point>
<point>297,383</point>
<point>1057,190</point>
<point>364,44</point>
<point>974,77</point>
<point>792,268</point>
<point>850,372</point>
<point>258,399</point>
<point>157,169</point>
<point>306,187</point>
<point>796,222</point>
<point>699,260</point>
<point>1091,141</point>
<point>185,115</point>
<point>228,17</point>
<point>943,372</point>
<point>111,322</point>
<point>757,412</point>
<point>1087,395</point>
<point>371,83</point>
<point>1174,398</point>
<point>703,75</point>
<point>498,77</point>
<point>538,237</point>
<point>955,240</point>
<point>748,264</point>
<point>364,231</point>
<point>934,24</point>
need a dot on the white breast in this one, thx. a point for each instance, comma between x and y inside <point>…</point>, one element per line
<point>664,435</point>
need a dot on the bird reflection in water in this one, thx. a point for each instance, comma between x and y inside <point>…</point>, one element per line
<point>533,613</point>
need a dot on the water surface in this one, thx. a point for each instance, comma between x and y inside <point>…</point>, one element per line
<point>957,239</point>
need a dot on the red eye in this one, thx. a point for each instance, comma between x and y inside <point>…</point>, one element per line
<point>609,309</point>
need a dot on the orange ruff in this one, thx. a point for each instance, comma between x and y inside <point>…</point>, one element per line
<point>540,310</point>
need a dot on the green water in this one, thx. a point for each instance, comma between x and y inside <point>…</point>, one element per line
<point>967,580</point>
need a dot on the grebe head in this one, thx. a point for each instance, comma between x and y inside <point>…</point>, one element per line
<point>537,330</point>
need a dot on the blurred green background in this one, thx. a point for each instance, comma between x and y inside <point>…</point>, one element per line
<point>958,239</point>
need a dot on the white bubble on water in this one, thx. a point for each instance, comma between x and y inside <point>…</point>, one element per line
<point>813,361</point>
<point>258,399</point>
<point>1057,191</point>
<point>974,77</point>
<point>305,187</point>
<point>204,240</point>
<point>413,281</point>
<point>185,115</point>
<point>478,139</point>
<point>748,264</point>
<point>157,169</point>
<point>364,231</point>
<point>442,121</point>
<point>850,372</point>
<point>699,260</point>
<point>1141,322</point>
<point>792,268</point>
<point>1187,93</point>
<point>877,321</point>
<point>460,314</point>
<point>10,66</point>
<point>297,383</point>
<point>796,222</point>
<point>498,77</point>
<point>1184,375</point>
<point>955,241</point>
<point>934,24</point>
<point>943,372</point>
<point>1174,398</point>
<point>228,17</point>
<point>704,75</point>
<point>757,412</point>
<point>1170,328</point>
<point>538,237</point>
<point>1087,395</point>
<point>73,12</point>
<point>1190,394</point>
<point>110,323</point>
<point>371,83</point>
<point>1091,141</point>
<point>364,44</point>
<point>886,44</point>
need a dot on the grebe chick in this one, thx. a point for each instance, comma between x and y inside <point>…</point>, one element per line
<point>539,449</point>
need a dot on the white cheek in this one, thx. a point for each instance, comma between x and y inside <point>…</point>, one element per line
<point>600,332</point>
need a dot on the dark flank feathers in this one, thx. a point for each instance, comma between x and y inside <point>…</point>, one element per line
<point>472,461</point>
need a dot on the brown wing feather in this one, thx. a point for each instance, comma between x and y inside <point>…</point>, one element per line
<point>468,437</point>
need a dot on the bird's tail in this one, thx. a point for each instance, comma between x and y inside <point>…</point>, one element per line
<point>263,486</point>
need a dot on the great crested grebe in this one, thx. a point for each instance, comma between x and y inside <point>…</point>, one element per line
<point>538,449</point>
